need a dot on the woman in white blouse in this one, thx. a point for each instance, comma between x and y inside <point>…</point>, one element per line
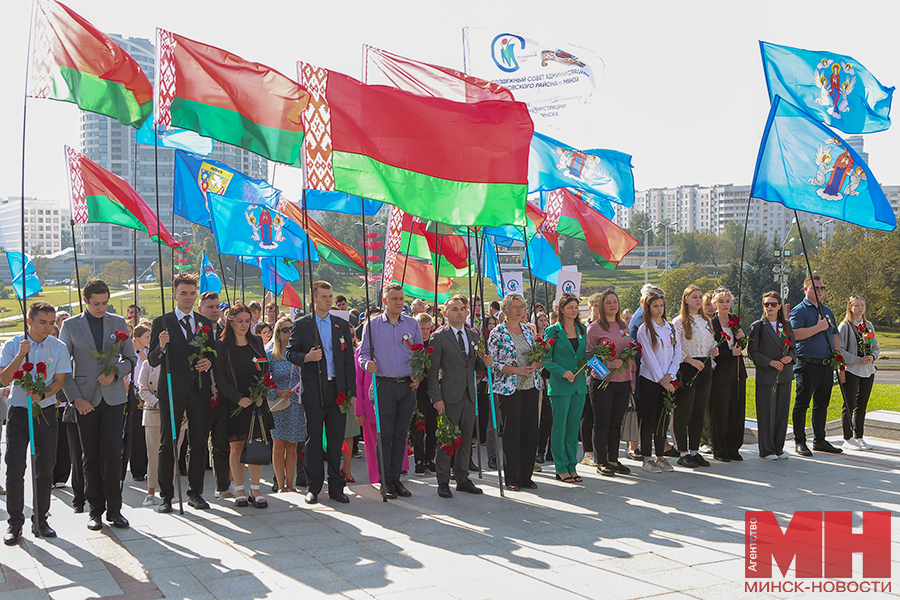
<point>860,351</point>
<point>698,347</point>
<point>660,356</point>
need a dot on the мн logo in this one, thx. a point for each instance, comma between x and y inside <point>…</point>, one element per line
<point>503,51</point>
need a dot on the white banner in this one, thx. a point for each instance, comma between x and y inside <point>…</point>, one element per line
<point>549,76</point>
<point>569,283</point>
<point>512,282</point>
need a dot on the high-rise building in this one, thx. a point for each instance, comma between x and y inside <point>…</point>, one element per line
<point>43,222</point>
<point>113,147</point>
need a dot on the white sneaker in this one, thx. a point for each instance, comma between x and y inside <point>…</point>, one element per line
<point>851,445</point>
<point>705,449</point>
<point>664,465</point>
<point>863,445</point>
<point>783,456</point>
<point>150,500</point>
<point>770,457</point>
<point>650,466</point>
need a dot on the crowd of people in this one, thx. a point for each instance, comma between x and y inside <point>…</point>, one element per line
<point>237,388</point>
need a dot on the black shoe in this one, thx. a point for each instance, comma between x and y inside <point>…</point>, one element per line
<point>444,490</point>
<point>469,488</point>
<point>389,492</point>
<point>539,459</point>
<point>197,501</point>
<point>802,449</point>
<point>339,497</point>
<point>118,521</point>
<point>735,456</point>
<point>95,523</point>
<point>606,471</point>
<point>140,477</point>
<point>311,498</point>
<point>619,468</point>
<point>492,464</point>
<point>688,461</point>
<point>44,529</point>
<point>13,534</point>
<point>78,509</point>
<point>401,490</point>
<point>672,453</point>
<point>635,455</point>
<point>701,462</point>
<point>825,446</point>
<point>275,488</point>
<point>165,506</point>
<point>472,465</point>
<point>722,458</point>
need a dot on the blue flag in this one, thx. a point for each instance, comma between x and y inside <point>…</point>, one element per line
<point>604,173</point>
<point>178,139</point>
<point>545,264</point>
<point>833,88</point>
<point>275,272</point>
<point>209,280</point>
<point>340,202</point>
<point>803,165</point>
<point>490,264</point>
<point>247,229</point>
<point>32,284</point>
<point>196,176</point>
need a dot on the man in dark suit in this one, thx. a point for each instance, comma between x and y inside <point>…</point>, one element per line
<point>451,382</point>
<point>172,335</point>
<point>99,395</point>
<point>321,345</point>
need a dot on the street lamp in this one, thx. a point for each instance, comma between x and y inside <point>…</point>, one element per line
<point>824,225</point>
<point>646,264</point>
<point>668,226</point>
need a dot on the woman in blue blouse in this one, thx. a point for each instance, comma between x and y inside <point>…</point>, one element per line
<point>290,420</point>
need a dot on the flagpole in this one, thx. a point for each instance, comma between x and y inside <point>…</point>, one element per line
<point>741,270</point>
<point>242,279</point>
<point>162,297</point>
<point>312,292</point>
<point>379,448</point>
<point>498,441</point>
<point>408,244</point>
<point>134,240</point>
<point>528,262</point>
<point>474,326</point>
<point>75,254</point>
<point>437,269</point>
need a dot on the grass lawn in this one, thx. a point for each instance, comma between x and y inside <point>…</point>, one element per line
<point>888,340</point>
<point>884,397</point>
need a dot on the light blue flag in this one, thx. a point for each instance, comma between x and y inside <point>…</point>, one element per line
<point>247,229</point>
<point>803,165</point>
<point>833,88</point>
<point>545,264</point>
<point>209,279</point>
<point>275,272</point>
<point>32,284</point>
<point>340,202</point>
<point>196,176</point>
<point>177,139</point>
<point>604,173</point>
<point>490,264</point>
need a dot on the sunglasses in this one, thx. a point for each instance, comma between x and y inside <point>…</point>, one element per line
<point>285,330</point>
<point>771,304</point>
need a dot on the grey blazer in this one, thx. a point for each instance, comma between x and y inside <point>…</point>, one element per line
<point>764,346</point>
<point>452,375</point>
<point>86,369</point>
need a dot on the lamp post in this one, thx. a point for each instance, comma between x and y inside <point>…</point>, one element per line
<point>823,224</point>
<point>668,226</point>
<point>782,271</point>
<point>646,264</point>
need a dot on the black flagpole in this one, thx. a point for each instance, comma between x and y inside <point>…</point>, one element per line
<point>476,327</point>
<point>312,297</point>
<point>408,244</point>
<point>77,274</point>
<point>437,268</point>
<point>498,441</point>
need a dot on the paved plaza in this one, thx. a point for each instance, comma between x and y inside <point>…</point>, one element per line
<point>669,535</point>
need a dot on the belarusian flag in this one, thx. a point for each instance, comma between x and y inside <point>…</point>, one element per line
<point>437,243</point>
<point>329,247</point>
<point>451,162</point>
<point>290,297</point>
<point>220,95</point>
<point>73,61</point>
<point>416,276</point>
<point>98,196</point>
<point>568,215</point>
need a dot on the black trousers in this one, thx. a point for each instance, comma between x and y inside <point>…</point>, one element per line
<point>484,410</point>
<point>334,423</point>
<point>219,449</point>
<point>101,442</point>
<point>17,451</point>
<point>520,428</point>
<point>814,382</point>
<point>727,408</point>
<point>546,425</point>
<point>138,458</point>
<point>76,456</point>
<point>586,427</point>
<point>853,415</point>
<point>610,404</point>
<point>649,404</point>
<point>197,411</point>
<point>396,404</point>
<point>425,442</point>
<point>691,400</point>
<point>63,465</point>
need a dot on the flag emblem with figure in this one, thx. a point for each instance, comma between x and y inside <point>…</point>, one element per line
<point>266,226</point>
<point>248,229</point>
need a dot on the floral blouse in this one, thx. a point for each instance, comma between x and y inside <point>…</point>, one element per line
<point>285,375</point>
<point>503,351</point>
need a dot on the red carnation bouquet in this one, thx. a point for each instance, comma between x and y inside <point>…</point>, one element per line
<point>259,391</point>
<point>345,405</point>
<point>865,339</point>
<point>418,420</point>
<point>420,360</point>
<point>540,350</point>
<point>605,350</point>
<point>735,324</point>
<point>204,347</point>
<point>449,437</point>
<point>33,380</point>
<point>112,352</point>
<point>668,406</point>
<point>837,362</point>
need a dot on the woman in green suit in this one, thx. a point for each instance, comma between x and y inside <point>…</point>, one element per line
<point>566,390</point>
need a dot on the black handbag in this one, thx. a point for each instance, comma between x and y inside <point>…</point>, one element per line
<point>257,451</point>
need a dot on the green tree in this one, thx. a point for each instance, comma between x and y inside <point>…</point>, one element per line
<point>675,281</point>
<point>41,266</point>
<point>639,221</point>
<point>116,273</point>
<point>85,273</point>
<point>65,237</point>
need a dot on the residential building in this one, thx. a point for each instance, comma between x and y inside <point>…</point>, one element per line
<point>43,222</point>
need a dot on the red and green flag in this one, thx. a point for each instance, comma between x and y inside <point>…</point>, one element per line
<point>569,215</point>
<point>451,162</point>
<point>330,248</point>
<point>290,297</point>
<point>98,196</point>
<point>435,242</point>
<point>220,95</point>
<point>416,275</point>
<point>73,61</point>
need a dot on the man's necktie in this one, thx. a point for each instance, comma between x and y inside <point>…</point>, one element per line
<point>462,343</point>
<point>186,326</point>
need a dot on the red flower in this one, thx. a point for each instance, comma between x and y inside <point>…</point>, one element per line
<point>551,342</point>
<point>612,352</point>
<point>18,375</point>
<point>429,350</point>
<point>205,329</point>
<point>410,451</point>
<point>341,398</point>
<point>121,336</point>
<point>539,339</point>
<point>457,442</point>
<point>675,384</point>
<point>42,369</point>
<point>733,322</point>
<point>27,367</point>
<point>214,400</point>
<point>416,347</point>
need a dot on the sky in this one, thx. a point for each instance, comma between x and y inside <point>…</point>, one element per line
<point>682,90</point>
